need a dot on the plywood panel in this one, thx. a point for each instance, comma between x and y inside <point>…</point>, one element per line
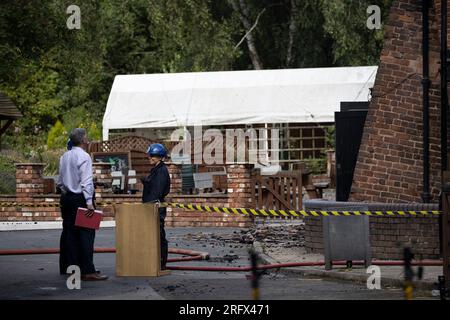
<point>137,240</point>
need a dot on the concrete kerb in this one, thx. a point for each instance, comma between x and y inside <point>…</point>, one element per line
<point>386,281</point>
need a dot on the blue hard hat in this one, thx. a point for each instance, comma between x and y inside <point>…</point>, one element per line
<point>69,144</point>
<point>157,149</point>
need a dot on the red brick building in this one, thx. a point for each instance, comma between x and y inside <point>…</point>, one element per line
<point>390,161</point>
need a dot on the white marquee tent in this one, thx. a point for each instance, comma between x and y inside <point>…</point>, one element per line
<point>233,97</point>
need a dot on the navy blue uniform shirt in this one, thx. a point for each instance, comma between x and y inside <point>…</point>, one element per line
<point>157,186</point>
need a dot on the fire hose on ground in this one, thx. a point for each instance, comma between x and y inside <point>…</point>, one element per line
<point>197,255</point>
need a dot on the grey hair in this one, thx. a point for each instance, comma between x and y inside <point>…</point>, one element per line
<point>77,135</point>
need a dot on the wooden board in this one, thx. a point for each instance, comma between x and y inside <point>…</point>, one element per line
<point>137,240</point>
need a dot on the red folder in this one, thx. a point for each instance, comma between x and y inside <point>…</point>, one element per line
<point>88,222</point>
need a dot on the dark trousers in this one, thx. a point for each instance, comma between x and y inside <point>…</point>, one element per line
<point>164,243</point>
<point>77,243</point>
<point>162,238</point>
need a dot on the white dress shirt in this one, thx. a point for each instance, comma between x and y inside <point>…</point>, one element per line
<point>75,173</point>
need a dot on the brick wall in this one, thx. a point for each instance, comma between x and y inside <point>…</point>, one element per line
<point>238,196</point>
<point>389,166</point>
<point>239,185</point>
<point>184,218</point>
<point>29,180</point>
<point>30,190</point>
<point>388,236</point>
<point>176,217</point>
<point>175,177</point>
<point>30,213</point>
<point>102,175</point>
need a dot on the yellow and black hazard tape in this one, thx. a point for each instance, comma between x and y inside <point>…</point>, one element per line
<point>29,204</point>
<point>248,211</point>
<point>299,213</point>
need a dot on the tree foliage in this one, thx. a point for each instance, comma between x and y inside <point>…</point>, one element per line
<point>313,33</point>
<point>56,74</point>
<point>353,42</point>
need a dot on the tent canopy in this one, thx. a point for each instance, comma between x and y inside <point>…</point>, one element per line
<point>233,97</point>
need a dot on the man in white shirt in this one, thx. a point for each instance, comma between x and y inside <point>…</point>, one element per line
<point>77,190</point>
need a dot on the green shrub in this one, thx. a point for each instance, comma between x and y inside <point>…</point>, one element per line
<point>79,118</point>
<point>316,166</point>
<point>57,136</point>
<point>7,175</point>
<point>330,137</point>
<point>51,160</point>
<point>94,132</point>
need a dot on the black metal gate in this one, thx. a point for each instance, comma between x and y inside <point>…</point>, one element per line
<point>349,129</point>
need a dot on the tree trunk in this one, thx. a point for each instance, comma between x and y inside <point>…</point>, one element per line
<point>292,33</point>
<point>243,13</point>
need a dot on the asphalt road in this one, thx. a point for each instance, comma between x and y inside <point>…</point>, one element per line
<point>37,276</point>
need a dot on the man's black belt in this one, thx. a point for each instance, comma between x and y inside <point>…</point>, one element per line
<point>70,193</point>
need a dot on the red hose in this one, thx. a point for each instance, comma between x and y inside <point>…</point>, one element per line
<point>203,255</point>
<point>304,264</point>
<point>9,252</point>
<point>260,267</point>
<point>196,255</point>
<point>15,252</point>
<point>185,259</point>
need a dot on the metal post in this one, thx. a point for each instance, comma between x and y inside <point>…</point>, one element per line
<point>444,106</point>
<point>444,88</point>
<point>426,103</point>
<point>255,274</point>
<point>409,273</point>
<point>444,281</point>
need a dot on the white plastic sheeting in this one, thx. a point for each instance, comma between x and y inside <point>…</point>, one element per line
<point>233,97</point>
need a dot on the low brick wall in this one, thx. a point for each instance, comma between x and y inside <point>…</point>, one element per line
<point>30,213</point>
<point>177,217</point>
<point>29,189</point>
<point>388,236</point>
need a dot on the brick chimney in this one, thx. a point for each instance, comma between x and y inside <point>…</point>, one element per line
<point>390,161</point>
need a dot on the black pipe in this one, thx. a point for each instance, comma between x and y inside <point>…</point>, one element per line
<point>444,106</point>
<point>444,92</point>
<point>426,103</point>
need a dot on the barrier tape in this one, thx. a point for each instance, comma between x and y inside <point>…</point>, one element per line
<point>250,212</point>
<point>300,213</point>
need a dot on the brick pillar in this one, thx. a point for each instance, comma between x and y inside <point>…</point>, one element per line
<point>175,177</point>
<point>239,180</point>
<point>102,174</point>
<point>29,180</point>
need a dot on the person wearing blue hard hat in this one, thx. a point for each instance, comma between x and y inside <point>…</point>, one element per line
<point>156,188</point>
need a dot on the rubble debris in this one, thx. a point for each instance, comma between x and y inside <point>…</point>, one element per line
<point>171,288</point>
<point>247,238</point>
<point>225,258</point>
<point>284,235</point>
